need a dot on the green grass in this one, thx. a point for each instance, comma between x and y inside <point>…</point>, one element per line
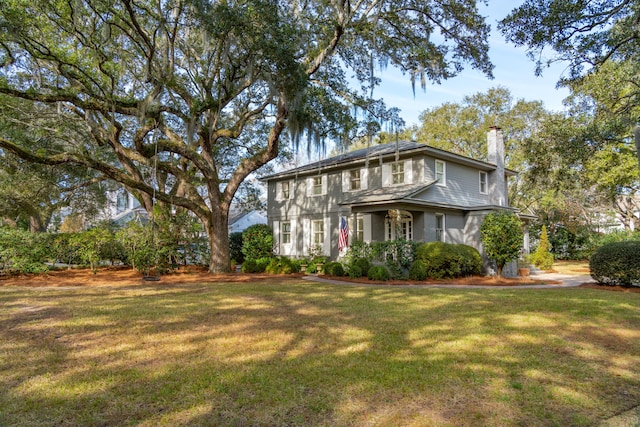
<point>295,353</point>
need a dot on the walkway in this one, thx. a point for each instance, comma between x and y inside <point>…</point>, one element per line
<point>568,281</point>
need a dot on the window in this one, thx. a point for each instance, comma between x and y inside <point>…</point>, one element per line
<point>286,232</point>
<point>317,185</point>
<point>286,190</point>
<point>397,173</point>
<point>360,228</point>
<point>441,173</point>
<point>483,182</point>
<point>354,179</point>
<point>440,227</point>
<point>318,232</point>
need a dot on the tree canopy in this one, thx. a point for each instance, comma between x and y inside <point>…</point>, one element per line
<point>181,100</point>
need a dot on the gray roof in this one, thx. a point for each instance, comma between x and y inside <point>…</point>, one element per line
<point>383,194</point>
<point>401,148</point>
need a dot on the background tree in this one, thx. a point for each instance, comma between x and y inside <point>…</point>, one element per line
<point>502,238</point>
<point>181,100</point>
<point>594,37</point>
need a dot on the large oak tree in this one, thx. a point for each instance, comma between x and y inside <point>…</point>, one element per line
<point>180,100</point>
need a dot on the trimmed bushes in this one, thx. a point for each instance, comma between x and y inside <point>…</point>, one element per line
<point>334,269</point>
<point>378,272</point>
<point>418,271</point>
<point>617,264</point>
<point>446,260</point>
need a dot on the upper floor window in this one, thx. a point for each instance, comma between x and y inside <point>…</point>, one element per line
<point>317,185</point>
<point>483,182</point>
<point>354,179</point>
<point>286,190</point>
<point>397,173</point>
<point>441,172</point>
<point>286,232</point>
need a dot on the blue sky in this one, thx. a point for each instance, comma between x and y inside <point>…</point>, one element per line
<point>513,70</point>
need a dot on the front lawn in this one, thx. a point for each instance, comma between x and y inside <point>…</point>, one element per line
<point>289,352</point>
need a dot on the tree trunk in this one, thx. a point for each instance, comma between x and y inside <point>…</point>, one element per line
<point>218,230</point>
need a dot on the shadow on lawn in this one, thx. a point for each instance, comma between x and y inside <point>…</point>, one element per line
<point>309,354</point>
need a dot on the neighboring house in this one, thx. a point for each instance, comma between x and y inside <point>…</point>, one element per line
<point>399,190</point>
<point>240,221</point>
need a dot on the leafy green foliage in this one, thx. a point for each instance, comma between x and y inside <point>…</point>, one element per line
<point>21,252</point>
<point>363,265</point>
<point>171,100</point>
<point>235,247</point>
<point>378,272</point>
<point>279,265</point>
<point>542,257</point>
<point>257,242</point>
<point>418,270</point>
<point>502,237</point>
<point>395,270</point>
<point>355,272</point>
<point>334,269</point>
<point>445,260</point>
<point>617,264</point>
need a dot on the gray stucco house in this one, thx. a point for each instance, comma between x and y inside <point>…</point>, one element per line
<point>398,190</point>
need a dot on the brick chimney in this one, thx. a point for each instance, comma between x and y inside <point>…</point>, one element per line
<point>495,155</point>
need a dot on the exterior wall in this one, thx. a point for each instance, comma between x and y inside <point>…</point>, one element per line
<point>462,185</point>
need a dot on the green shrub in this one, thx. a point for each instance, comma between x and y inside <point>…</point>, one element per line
<point>334,269</point>
<point>235,246</point>
<point>311,268</point>
<point>394,269</point>
<point>446,260</point>
<point>617,264</point>
<point>418,271</point>
<point>262,263</point>
<point>364,265</point>
<point>470,260</point>
<point>295,265</point>
<point>257,242</point>
<point>22,251</point>
<point>355,272</point>
<point>280,265</point>
<point>378,272</point>
<point>249,266</point>
<point>542,257</point>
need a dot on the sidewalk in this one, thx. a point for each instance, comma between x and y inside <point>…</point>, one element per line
<point>568,281</point>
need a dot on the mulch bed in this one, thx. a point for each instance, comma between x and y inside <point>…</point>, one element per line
<point>126,276</point>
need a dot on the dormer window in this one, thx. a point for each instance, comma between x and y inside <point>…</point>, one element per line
<point>397,173</point>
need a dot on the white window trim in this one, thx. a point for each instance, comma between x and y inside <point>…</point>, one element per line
<point>282,223</point>
<point>486,182</point>
<point>444,173</point>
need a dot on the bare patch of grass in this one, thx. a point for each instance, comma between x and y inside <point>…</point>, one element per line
<point>287,352</point>
<point>579,268</point>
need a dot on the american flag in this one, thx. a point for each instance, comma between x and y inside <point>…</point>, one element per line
<point>343,240</point>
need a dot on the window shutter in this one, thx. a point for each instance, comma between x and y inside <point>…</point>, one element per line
<point>307,234</point>
<point>276,236</point>
<point>408,171</point>
<point>346,181</point>
<point>310,186</point>
<point>324,184</point>
<point>386,174</point>
<point>364,178</point>
<point>327,237</point>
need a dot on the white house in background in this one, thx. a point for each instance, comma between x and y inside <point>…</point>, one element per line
<point>240,221</point>
<point>386,192</point>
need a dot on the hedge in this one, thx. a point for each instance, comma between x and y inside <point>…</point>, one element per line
<point>616,264</point>
<point>446,260</point>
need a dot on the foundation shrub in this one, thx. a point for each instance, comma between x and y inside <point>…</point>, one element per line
<point>363,264</point>
<point>334,269</point>
<point>417,271</point>
<point>446,260</point>
<point>355,272</point>
<point>378,272</point>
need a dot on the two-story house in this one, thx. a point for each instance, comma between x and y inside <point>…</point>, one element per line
<point>392,191</point>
